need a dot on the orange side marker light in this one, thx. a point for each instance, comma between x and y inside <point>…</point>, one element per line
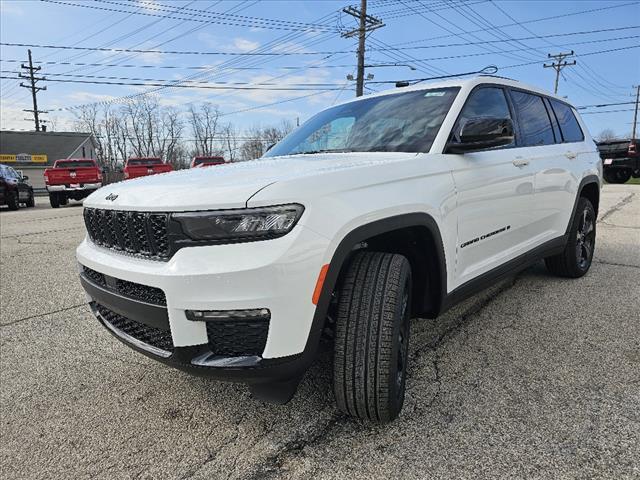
<point>318,290</point>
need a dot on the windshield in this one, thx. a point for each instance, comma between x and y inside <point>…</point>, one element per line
<point>404,122</point>
<point>75,164</point>
<point>144,161</point>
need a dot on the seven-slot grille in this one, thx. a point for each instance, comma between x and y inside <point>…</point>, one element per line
<point>137,233</point>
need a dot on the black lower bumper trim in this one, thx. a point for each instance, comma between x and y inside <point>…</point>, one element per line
<point>153,315</point>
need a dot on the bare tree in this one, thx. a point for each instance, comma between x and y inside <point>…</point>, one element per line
<point>230,142</point>
<point>607,135</point>
<point>258,140</point>
<point>204,126</point>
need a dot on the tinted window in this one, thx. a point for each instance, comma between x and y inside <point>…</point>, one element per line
<point>483,102</point>
<point>571,131</point>
<point>144,161</point>
<point>75,164</point>
<point>535,126</point>
<point>401,122</point>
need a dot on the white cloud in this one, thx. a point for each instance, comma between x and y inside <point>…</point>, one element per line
<point>245,45</point>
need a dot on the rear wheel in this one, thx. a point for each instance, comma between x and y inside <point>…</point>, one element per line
<point>618,175</point>
<point>372,336</point>
<point>54,199</point>
<point>13,201</point>
<point>576,258</point>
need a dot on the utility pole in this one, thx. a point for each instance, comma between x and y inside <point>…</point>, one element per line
<point>367,23</point>
<point>559,64</point>
<point>34,90</point>
<point>635,115</point>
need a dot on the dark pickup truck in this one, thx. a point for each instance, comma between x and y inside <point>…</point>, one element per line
<point>620,160</point>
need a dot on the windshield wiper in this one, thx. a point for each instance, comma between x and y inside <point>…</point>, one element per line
<point>328,150</point>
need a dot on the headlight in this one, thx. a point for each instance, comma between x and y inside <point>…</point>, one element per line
<point>241,225</point>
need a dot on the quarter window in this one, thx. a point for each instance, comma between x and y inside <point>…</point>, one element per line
<point>533,118</point>
<point>571,131</point>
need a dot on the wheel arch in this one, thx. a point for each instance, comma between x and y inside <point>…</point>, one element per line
<point>417,229</point>
<point>589,188</point>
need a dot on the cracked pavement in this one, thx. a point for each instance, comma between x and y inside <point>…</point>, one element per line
<point>535,377</point>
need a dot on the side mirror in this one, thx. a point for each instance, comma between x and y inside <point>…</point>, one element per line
<point>482,133</point>
<point>25,178</point>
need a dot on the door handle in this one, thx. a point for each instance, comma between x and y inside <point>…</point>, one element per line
<point>520,162</point>
<point>570,155</point>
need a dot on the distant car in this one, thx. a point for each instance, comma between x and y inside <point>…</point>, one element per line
<point>620,160</point>
<point>143,166</point>
<point>14,189</point>
<point>72,178</point>
<point>206,161</point>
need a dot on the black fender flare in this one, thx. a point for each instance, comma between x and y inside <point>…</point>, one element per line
<point>589,179</point>
<point>346,248</point>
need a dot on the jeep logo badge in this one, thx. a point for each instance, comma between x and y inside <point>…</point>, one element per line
<point>111,197</point>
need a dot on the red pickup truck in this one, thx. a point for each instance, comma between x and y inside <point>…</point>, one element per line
<point>143,166</point>
<point>206,161</point>
<point>73,178</point>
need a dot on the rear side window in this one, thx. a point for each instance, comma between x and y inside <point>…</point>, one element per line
<point>533,118</point>
<point>75,164</point>
<point>571,131</point>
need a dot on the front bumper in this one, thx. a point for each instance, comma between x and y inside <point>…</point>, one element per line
<point>73,187</point>
<point>278,275</point>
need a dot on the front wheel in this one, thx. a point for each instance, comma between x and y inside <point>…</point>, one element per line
<point>576,258</point>
<point>31,201</point>
<point>372,336</point>
<point>13,202</point>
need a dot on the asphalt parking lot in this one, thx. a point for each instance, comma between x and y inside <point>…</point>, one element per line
<point>538,377</point>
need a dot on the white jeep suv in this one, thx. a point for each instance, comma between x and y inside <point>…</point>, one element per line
<point>386,207</point>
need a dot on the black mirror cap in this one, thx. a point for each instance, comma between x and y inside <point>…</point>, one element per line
<point>25,178</point>
<point>482,133</point>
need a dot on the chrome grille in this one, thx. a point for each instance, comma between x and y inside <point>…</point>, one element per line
<point>138,233</point>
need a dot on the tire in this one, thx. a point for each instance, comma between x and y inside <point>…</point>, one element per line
<point>372,336</point>
<point>54,199</point>
<point>31,202</point>
<point>64,200</point>
<point>13,202</point>
<point>618,175</point>
<point>577,256</point>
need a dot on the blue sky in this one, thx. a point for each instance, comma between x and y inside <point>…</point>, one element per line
<point>292,33</point>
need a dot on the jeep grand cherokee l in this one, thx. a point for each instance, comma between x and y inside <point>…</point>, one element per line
<point>384,208</point>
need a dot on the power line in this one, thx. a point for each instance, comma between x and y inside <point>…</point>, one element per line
<point>601,105</point>
<point>167,52</point>
<point>536,20</point>
<point>255,22</point>
<point>608,111</point>
<point>212,87</point>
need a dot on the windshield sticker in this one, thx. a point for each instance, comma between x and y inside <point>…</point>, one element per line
<point>434,94</point>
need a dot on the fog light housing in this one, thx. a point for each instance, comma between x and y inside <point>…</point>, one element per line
<point>213,315</point>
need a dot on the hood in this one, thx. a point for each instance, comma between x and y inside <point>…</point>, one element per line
<point>226,186</point>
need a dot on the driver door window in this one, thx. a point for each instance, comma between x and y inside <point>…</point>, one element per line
<point>483,102</point>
